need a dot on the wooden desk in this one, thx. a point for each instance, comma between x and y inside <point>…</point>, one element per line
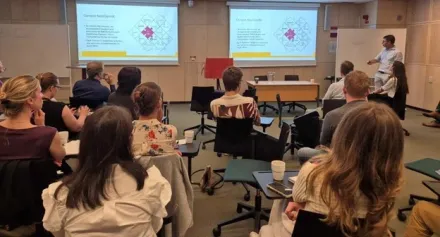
<point>289,90</point>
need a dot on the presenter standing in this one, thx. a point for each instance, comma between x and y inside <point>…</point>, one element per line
<point>385,58</point>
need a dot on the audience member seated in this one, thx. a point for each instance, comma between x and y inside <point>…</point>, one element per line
<point>128,79</point>
<point>91,88</point>
<point>356,89</point>
<point>358,179</point>
<point>335,91</point>
<point>232,104</point>
<point>110,194</point>
<point>397,84</point>
<point>21,100</point>
<point>435,115</point>
<point>58,115</point>
<point>424,220</point>
<point>150,136</point>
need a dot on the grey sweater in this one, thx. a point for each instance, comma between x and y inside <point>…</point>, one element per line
<point>333,118</point>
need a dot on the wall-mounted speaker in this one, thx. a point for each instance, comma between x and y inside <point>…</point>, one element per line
<point>328,8</point>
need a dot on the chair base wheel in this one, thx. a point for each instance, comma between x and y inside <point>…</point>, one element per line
<point>411,202</point>
<point>210,191</point>
<point>247,197</point>
<point>216,232</point>
<point>219,154</point>
<point>401,216</point>
<point>203,146</point>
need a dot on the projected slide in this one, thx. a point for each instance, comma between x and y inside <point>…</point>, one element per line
<point>261,37</point>
<point>124,34</point>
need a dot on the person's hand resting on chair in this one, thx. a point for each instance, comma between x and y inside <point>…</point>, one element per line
<point>292,210</point>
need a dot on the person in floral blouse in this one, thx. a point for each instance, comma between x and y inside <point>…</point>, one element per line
<point>150,136</point>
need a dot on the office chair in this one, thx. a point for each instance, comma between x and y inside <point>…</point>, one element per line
<point>200,103</point>
<point>305,131</point>
<point>23,205</point>
<point>265,122</point>
<point>329,105</point>
<point>166,111</point>
<point>309,224</point>
<point>240,170</point>
<point>293,104</point>
<point>398,104</point>
<point>76,102</point>
<point>428,167</point>
<point>265,105</point>
<point>215,95</point>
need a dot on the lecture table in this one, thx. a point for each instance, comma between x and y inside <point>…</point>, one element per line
<point>298,91</point>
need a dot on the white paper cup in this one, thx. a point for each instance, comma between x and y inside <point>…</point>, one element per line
<point>312,80</point>
<point>64,137</point>
<point>278,169</point>
<point>189,136</point>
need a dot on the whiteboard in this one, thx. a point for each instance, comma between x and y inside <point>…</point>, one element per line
<point>361,45</point>
<point>34,48</point>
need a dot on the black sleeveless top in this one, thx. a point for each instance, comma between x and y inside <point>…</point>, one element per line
<point>54,114</point>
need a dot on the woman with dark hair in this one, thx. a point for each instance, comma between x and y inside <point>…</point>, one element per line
<point>395,90</point>
<point>58,115</point>
<point>150,136</point>
<point>397,83</point>
<point>110,194</point>
<point>128,79</point>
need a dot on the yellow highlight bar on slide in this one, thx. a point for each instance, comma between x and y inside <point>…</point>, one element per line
<point>266,55</point>
<point>121,54</point>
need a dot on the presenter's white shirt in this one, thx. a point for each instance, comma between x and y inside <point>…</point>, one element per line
<point>127,212</point>
<point>387,57</point>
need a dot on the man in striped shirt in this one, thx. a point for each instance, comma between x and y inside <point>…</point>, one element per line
<point>232,104</point>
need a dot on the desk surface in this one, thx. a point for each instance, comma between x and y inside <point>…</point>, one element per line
<point>265,177</point>
<point>190,149</point>
<point>434,186</point>
<point>426,166</point>
<point>282,83</point>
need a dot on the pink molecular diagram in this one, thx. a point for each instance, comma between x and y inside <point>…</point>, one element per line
<point>290,34</point>
<point>148,32</point>
<point>294,34</point>
<point>153,33</point>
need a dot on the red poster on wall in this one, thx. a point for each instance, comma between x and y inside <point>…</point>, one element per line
<point>214,67</point>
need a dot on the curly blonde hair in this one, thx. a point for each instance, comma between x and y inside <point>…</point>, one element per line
<point>366,159</point>
<point>15,92</point>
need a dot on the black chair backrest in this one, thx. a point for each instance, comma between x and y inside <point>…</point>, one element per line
<point>291,78</point>
<point>308,129</point>
<point>329,105</point>
<point>201,98</point>
<point>21,185</point>
<point>309,224</point>
<point>261,78</point>
<point>280,109</point>
<point>233,136</point>
<point>269,148</point>
<point>251,92</point>
<point>76,102</point>
<point>399,105</point>
<point>214,95</point>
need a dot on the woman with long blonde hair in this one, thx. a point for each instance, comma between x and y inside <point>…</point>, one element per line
<point>357,180</point>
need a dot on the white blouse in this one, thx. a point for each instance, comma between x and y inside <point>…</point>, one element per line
<point>390,87</point>
<point>128,212</point>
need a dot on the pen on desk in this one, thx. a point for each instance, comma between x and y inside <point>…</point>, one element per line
<point>288,189</point>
